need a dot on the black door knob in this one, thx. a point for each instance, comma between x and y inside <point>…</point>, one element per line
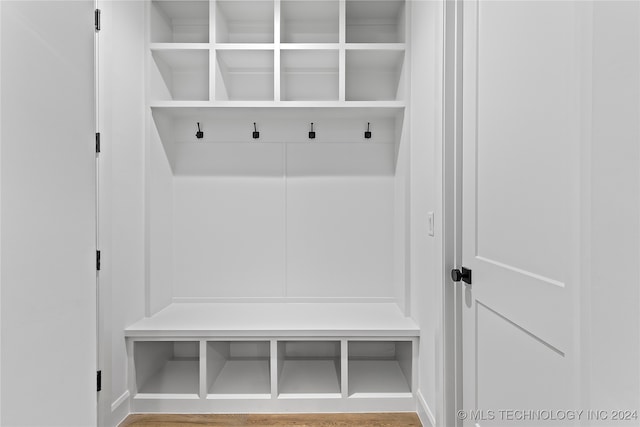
<point>464,275</point>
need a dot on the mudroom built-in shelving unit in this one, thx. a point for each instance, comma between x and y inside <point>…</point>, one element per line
<point>276,209</point>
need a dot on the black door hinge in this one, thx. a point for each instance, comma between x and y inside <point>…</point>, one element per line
<point>99,381</point>
<point>97,142</point>
<point>97,19</point>
<point>98,260</point>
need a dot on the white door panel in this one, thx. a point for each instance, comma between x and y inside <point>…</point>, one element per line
<point>48,229</point>
<point>521,105</point>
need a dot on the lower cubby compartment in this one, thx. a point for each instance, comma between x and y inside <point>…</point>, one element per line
<point>309,369</point>
<point>167,369</point>
<point>238,369</point>
<point>208,358</point>
<point>379,368</point>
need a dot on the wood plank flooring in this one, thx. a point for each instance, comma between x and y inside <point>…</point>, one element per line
<point>396,419</point>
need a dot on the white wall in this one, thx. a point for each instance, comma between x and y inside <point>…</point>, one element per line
<point>299,236</point>
<point>48,358</point>
<point>611,201</point>
<point>229,237</point>
<point>122,191</point>
<point>340,237</point>
<point>426,135</point>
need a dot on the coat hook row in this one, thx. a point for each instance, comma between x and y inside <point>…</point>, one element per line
<point>256,135</point>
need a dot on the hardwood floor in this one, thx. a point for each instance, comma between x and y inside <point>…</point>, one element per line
<point>396,419</point>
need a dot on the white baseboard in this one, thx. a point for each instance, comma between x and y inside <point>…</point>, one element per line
<point>424,412</point>
<point>120,409</point>
<point>282,300</point>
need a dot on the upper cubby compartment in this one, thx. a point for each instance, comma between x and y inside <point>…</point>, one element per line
<point>244,75</point>
<point>375,21</point>
<point>243,21</point>
<point>309,75</point>
<point>309,21</point>
<point>374,75</point>
<point>179,74</point>
<point>179,21</point>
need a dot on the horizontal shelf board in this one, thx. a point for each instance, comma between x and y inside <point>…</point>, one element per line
<point>177,377</point>
<point>238,396</point>
<point>299,142</point>
<point>283,46</point>
<point>376,376</point>
<point>217,105</point>
<point>276,319</point>
<point>243,46</point>
<point>375,46</point>
<point>166,396</point>
<point>179,46</point>
<point>406,395</point>
<point>309,376</point>
<point>282,110</point>
<point>309,396</point>
<point>242,377</point>
<point>283,404</point>
<point>310,46</point>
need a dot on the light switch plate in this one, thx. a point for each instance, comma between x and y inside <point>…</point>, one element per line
<point>430,223</point>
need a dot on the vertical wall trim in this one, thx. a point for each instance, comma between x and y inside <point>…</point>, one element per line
<point>147,165</point>
<point>342,54</point>
<point>276,51</point>
<point>448,385</point>
<point>0,206</point>
<point>424,412</point>
<point>406,136</point>
<point>344,368</point>
<point>103,345</point>
<point>583,310</point>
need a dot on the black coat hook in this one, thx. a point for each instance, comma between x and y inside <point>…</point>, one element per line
<point>256,134</point>
<point>312,134</point>
<point>199,134</point>
<point>367,133</point>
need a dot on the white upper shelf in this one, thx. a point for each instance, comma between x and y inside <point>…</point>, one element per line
<point>298,21</point>
<point>329,52</point>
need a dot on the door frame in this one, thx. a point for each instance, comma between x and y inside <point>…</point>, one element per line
<point>451,199</point>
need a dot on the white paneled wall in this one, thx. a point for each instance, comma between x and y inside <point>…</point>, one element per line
<point>274,237</point>
<point>229,237</point>
<point>340,237</point>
